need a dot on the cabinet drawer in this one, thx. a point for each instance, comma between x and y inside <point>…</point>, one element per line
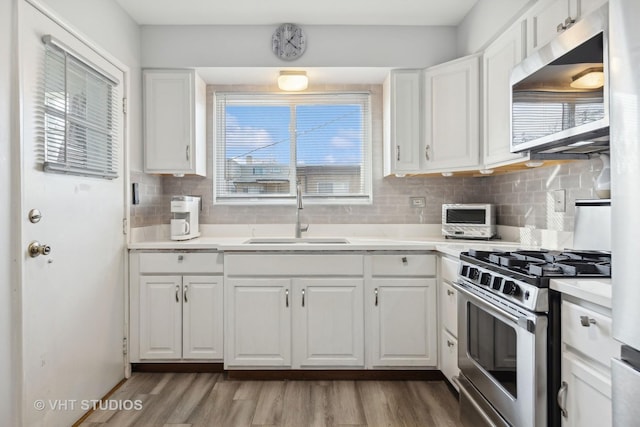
<point>260,264</point>
<point>181,262</point>
<point>449,269</point>
<point>594,340</point>
<point>403,265</point>
<point>449,356</point>
<point>449,308</point>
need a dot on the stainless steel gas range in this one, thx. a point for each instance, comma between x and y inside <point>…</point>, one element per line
<point>509,333</point>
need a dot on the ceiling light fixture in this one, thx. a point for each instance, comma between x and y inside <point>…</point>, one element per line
<point>293,81</point>
<point>447,173</point>
<point>591,78</point>
<point>534,163</point>
<point>486,171</point>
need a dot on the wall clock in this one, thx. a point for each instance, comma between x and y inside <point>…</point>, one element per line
<point>288,42</point>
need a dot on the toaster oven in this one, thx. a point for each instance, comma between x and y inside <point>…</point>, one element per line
<point>469,220</point>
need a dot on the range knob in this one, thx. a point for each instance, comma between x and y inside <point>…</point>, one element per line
<point>510,288</point>
<point>485,279</point>
<point>474,274</point>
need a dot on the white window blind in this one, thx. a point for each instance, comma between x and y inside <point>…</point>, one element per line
<point>267,142</point>
<point>80,120</point>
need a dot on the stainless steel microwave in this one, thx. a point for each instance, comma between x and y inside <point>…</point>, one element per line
<point>469,221</point>
<point>559,94</point>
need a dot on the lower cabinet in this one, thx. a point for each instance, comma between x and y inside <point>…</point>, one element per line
<point>176,307</point>
<point>448,298</point>
<point>404,323</point>
<point>449,352</point>
<point>297,323</point>
<point>178,317</point>
<point>587,350</point>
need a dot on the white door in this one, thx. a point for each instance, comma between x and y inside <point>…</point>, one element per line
<point>202,317</point>
<point>73,298</point>
<point>329,322</point>
<point>160,317</point>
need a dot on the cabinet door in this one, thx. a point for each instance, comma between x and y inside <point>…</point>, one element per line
<point>174,122</point>
<point>452,115</point>
<point>543,21</point>
<point>588,394</point>
<point>329,322</point>
<point>160,317</point>
<point>258,332</point>
<point>404,322</point>
<point>202,317</point>
<point>402,127</point>
<point>498,60</point>
<point>449,356</point>
<point>449,308</point>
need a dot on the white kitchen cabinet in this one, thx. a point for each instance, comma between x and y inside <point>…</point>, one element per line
<point>176,307</point>
<point>258,322</point>
<point>448,298</point>
<point>402,112</point>
<point>294,310</point>
<point>452,116</point>
<point>549,17</point>
<point>402,310</point>
<point>498,61</point>
<point>174,103</point>
<point>329,324</point>
<point>587,350</point>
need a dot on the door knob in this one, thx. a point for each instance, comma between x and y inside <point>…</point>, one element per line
<point>36,249</point>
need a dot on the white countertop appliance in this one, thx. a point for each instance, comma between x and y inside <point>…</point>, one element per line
<point>185,212</point>
<point>469,220</point>
<point>509,333</point>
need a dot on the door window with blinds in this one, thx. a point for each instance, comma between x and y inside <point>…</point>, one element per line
<point>265,143</point>
<point>80,122</point>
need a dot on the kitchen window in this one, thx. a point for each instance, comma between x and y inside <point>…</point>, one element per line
<point>80,120</point>
<point>265,143</point>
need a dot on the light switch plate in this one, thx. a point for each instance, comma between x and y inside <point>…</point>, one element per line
<point>559,202</point>
<point>417,202</point>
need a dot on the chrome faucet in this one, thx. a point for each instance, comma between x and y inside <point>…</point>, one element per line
<point>299,227</point>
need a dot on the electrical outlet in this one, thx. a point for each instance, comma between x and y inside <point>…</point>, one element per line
<point>559,202</point>
<point>417,202</point>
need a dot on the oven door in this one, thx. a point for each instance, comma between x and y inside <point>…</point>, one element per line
<point>502,354</point>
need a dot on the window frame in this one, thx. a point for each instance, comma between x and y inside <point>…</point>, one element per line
<point>276,98</point>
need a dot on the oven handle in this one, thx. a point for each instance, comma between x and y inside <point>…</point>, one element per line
<point>522,322</point>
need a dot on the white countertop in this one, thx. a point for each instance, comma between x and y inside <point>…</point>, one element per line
<point>596,291</point>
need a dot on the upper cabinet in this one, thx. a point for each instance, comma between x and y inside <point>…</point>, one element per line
<point>452,115</point>
<point>550,17</point>
<point>174,122</point>
<point>402,117</point>
<point>498,60</point>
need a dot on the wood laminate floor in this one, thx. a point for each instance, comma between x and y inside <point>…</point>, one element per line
<point>208,399</point>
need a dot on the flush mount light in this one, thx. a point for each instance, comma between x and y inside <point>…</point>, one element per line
<point>591,78</point>
<point>293,81</point>
<point>534,163</point>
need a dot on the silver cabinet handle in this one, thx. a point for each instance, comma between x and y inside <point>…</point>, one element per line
<point>185,293</point>
<point>562,398</point>
<point>303,297</point>
<point>450,292</point>
<point>177,290</point>
<point>450,343</point>
<point>375,292</point>
<point>398,153</point>
<point>180,257</point>
<point>426,152</point>
<point>187,153</point>
<point>586,321</point>
<point>405,261</point>
<point>286,298</point>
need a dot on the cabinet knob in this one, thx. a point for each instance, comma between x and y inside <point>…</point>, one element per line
<point>405,261</point>
<point>586,321</point>
<point>450,292</point>
<point>180,257</point>
<point>450,343</point>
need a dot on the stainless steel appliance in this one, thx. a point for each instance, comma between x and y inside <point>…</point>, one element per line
<point>559,99</point>
<point>185,221</point>
<point>509,333</point>
<point>469,220</point>
<point>625,202</point>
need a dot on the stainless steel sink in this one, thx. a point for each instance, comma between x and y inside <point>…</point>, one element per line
<point>292,240</point>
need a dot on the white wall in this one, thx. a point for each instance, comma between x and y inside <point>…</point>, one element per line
<point>9,355</point>
<point>485,20</point>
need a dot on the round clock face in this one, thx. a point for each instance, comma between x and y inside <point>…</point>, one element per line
<point>288,42</point>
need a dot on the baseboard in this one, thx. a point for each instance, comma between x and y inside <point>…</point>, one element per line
<point>177,367</point>
<point>104,398</point>
<point>337,374</point>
